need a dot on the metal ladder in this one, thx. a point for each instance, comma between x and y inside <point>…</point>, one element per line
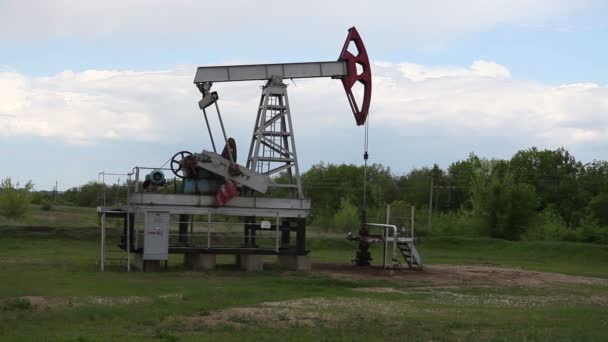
<point>404,240</point>
<point>410,254</point>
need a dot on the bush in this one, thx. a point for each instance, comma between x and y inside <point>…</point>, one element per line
<point>17,304</point>
<point>46,205</point>
<point>549,225</point>
<point>14,202</point>
<point>455,223</point>
<point>598,208</point>
<point>591,232</point>
<point>347,218</point>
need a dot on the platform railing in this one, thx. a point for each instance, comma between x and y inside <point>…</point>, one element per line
<point>398,233</point>
<point>211,234</point>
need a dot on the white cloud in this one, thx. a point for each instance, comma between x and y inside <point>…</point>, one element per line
<point>406,20</point>
<point>483,100</point>
<point>95,105</point>
<point>417,72</point>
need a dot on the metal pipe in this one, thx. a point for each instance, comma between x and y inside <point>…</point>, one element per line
<point>388,218</point>
<point>209,129</point>
<point>208,230</point>
<point>385,248</point>
<point>431,205</point>
<point>137,179</point>
<point>413,211</point>
<point>136,232</point>
<point>219,115</point>
<point>277,233</point>
<point>128,224</point>
<point>103,187</point>
<point>103,240</point>
<point>394,228</point>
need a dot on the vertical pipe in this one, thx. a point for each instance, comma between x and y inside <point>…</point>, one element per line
<point>103,240</point>
<point>388,214</point>
<point>385,251</point>
<point>388,221</point>
<point>208,230</point>
<point>103,187</point>
<point>136,179</point>
<point>128,224</point>
<point>135,233</point>
<point>394,245</point>
<point>431,205</point>
<point>277,233</point>
<point>413,212</point>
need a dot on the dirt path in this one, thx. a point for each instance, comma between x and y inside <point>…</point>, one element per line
<point>455,275</point>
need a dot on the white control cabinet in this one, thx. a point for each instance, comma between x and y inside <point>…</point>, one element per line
<point>156,235</point>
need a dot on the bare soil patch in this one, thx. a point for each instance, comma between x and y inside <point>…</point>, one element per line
<point>455,275</point>
<point>45,302</point>
<point>308,312</point>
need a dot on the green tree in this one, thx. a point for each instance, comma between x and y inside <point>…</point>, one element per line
<point>347,217</point>
<point>555,176</point>
<point>598,208</point>
<point>327,185</point>
<point>504,206</point>
<point>461,175</point>
<point>89,195</point>
<point>414,187</point>
<point>14,201</point>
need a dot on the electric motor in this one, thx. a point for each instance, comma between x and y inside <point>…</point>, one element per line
<point>155,178</point>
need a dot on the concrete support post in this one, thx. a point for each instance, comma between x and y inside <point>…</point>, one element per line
<point>146,265</point>
<point>250,262</point>
<point>295,262</point>
<point>200,262</point>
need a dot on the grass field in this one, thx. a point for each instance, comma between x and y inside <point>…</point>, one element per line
<point>51,289</point>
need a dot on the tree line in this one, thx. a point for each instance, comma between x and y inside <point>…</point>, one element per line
<point>536,194</point>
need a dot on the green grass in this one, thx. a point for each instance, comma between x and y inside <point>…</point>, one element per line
<point>59,266</point>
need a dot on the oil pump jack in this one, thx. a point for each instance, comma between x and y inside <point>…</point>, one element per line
<point>212,183</point>
<point>273,148</point>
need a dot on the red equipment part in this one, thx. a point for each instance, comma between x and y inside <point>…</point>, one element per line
<point>232,146</point>
<point>364,78</point>
<point>227,191</point>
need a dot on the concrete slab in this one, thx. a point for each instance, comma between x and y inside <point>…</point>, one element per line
<point>252,263</point>
<point>295,262</point>
<point>201,262</point>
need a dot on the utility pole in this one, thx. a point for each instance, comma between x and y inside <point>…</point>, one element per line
<point>55,192</point>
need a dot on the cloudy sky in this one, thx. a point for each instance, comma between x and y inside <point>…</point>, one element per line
<point>89,86</point>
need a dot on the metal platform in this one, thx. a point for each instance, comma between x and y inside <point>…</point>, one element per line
<point>263,225</point>
<point>203,205</point>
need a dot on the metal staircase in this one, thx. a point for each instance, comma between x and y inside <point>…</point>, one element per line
<point>410,254</point>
